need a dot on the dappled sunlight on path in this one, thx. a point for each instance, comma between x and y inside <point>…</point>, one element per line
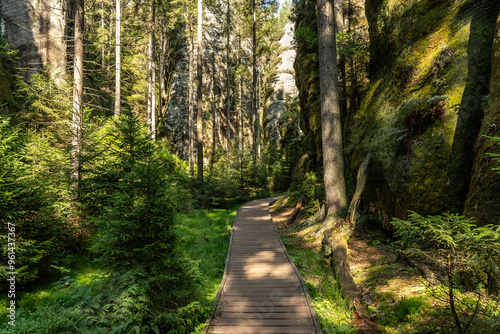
<point>262,291</point>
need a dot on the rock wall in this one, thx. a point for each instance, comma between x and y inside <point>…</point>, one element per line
<point>283,87</point>
<point>483,200</point>
<point>37,29</point>
<point>421,116</point>
<point>306,68</point>
<point>176,115</point>
<point>422,111</point>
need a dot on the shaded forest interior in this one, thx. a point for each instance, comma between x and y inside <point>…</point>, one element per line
<point>132,131</point>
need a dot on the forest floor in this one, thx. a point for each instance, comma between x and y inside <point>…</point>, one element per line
<point>394,293</point>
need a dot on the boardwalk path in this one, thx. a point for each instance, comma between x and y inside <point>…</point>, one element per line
<point>262,291</point>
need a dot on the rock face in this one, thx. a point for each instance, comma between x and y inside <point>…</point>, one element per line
<point>37,29</point>
<point>422,111</point>
<point>306,68</point>
<point>421,115</point>
<point>483,200</point>
<point>284,88</point>
<point>176,116</point>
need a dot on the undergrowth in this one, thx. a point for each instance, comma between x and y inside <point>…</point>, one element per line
<point>80,302</point>
<point>332,310</point>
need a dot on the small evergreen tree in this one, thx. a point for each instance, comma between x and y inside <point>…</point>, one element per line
<point>135,233</point>
<point>451,245</point>
<point>30,184</point>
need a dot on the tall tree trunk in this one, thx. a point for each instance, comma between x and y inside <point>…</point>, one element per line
<point>152,75</point>
<point>339,21</point>
<point>76,127</point>
<point>161,78</point>
<point>103,49</point>
<point>333,156</point>
<point>118,59</point>
<point>257,120</point>
<point>254,82</point>
<point>214,108</point>
<point>190,102</point>
<point>199,94</point>
<point>110,40</point>
<point>240,115</point>
<point>331,127</point>
<point>228,107</point>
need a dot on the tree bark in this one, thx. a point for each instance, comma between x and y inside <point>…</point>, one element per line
<point>152,75</point>
<point>161,76</point>
<point>228,107</point>
<point>360,187</point>
<point>257,118</point>
<point>199,94</point>
<point>214,109</point>
<point>76,127</point>
<point>240,116</point>
<point>254,82</point>
<point>118,60</point>
<point>341,233</point>
<point>190,103</point>
<point>295,211</point>
<point>339,25</point>
<point>103,49</point>
<point>331,127</point>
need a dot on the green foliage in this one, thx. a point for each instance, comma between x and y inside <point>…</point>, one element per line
<point>495,156</point>
<point>30,186</point>
<point>9,64</point>
<point>46,104</point>
<point>305,35</point>
<point>407,307</point>
<point>284,13</point>
<point>135,239</point>
<point>334,314</point>
<point>452,245</point>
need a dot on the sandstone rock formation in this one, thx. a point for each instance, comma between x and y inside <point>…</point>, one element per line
<point>37,29</point>
<point>284,88</point>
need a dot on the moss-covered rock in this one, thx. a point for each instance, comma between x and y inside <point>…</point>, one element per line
<point>421,112</point>
<point>483,200</point>
<point>425,58</point>
<point>306,68</point>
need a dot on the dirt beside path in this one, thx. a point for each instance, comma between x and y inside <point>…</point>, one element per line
<point>394,293</point>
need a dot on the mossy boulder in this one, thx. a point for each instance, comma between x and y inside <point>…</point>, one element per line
<point>306,68</point>
<point>483,200</point>
<point>426,58</point>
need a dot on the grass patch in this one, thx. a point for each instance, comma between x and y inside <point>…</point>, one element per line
<point>332,310</point>
<point>204,237</point>
<point>60,306</point>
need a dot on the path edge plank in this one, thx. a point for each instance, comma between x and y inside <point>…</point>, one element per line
<point>217,298</point>
<point>212,315</point>
<point>314,316</point>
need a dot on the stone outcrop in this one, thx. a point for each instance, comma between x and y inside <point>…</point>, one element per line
<point>283,86</point>
<point>483,200</point>
<point>175,120</point>
<point>37,29</point>
<point>421,116</point>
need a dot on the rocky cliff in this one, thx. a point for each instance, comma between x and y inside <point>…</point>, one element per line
<point>421,116</point>
<point>284,90</point>
<point>37,29</point>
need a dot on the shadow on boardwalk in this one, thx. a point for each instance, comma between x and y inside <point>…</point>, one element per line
<point>262,291</point>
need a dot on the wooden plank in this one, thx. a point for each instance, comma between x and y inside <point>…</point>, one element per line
<point>263,309</point>
<point>242,302</point>
<point>268,291</point>
<point>262,292</point>
<point>242,315</point>
<point>263,329</point>
<point>263,322</point>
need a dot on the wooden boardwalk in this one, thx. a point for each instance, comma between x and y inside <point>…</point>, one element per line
<point>262,291</point>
